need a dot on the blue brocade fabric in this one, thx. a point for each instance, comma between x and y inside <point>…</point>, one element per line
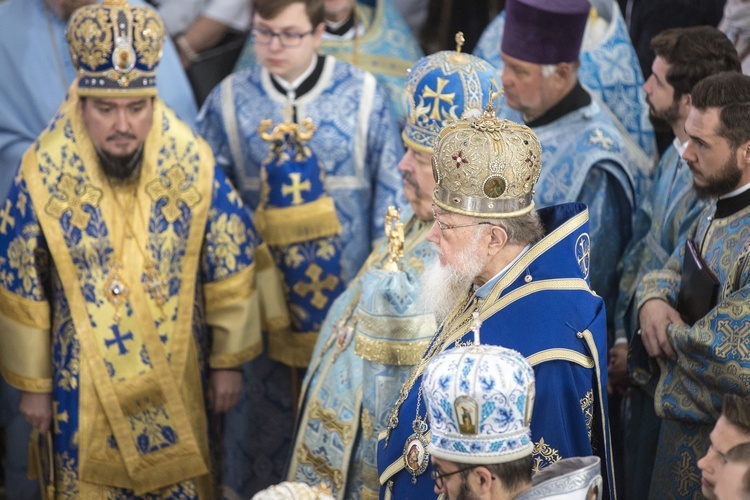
<point>372,338</point>
<point>713,357</point>
<point>593,167</point>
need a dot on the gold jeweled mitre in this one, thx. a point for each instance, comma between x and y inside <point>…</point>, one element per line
<point>116,48</point>
<point>486,167</point>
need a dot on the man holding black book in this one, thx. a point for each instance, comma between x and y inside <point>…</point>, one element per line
<point>701,348</point>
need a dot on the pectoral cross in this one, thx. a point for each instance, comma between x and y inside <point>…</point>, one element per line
<point>296,188</point>
<point>118,339</point>
<point>316,286</point>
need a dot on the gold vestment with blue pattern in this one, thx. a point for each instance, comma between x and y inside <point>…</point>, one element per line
<point>713,356</point>
<point>128,376</point>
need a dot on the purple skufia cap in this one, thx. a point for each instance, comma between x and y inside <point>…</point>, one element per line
<point>544,31</point>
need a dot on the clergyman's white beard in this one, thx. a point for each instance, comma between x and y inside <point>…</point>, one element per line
<point>444,285</point>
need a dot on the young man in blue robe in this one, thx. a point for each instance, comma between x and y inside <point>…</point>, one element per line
<point>665,217</point>
<point>703,355</point>
<point>357,145</point>
<point>370,35</point>
<point>522,272</point>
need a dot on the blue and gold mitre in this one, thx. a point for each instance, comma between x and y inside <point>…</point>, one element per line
<point>297,219</point>
<point>443,87</point>
<point>295,205</point>
<point>479,400</point>
<point>116,48</point>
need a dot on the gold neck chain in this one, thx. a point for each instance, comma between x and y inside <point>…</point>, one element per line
<point>152,282</point>
<point>458,318</point>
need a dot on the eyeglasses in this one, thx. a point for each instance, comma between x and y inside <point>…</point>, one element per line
<point>286,39</point>
<point>439,479</point>
<point>443,226</point>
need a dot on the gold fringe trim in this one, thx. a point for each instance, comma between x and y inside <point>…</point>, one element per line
<point>310,221</point>
<point>109,474</point>
<point>390,352</point>
<point>25,311</point>
<point>233,360</point>
<point>292,349</point>
<point>229,291</point>
<point>27,384</point>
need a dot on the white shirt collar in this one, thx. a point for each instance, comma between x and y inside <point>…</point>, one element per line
<point>737,191</point>
<point>484,290</point>
<point>679,145</point>
<point>291,88</point>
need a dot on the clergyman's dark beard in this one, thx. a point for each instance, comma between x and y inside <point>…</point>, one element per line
<point>671,115</point>
<point>725,181</point>
<point>120,167</point>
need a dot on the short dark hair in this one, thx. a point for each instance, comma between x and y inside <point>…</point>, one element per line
<point>268,9</point>
<point>730,92</point>
<point>693,54</point>
<point>741,453</point>
<point>512,474</point>
<point>736,409</point>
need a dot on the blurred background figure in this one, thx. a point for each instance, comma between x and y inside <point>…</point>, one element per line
<point>209,35</point>
<point>733,482</point>
<point>730,435</point>
<point>372,37</point>
<point>648,18</point>
<point>736,24</point>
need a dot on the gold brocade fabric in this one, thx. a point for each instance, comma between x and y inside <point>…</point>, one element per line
<point>129,404</point>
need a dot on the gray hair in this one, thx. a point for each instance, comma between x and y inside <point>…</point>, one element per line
<point>525,229</point>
